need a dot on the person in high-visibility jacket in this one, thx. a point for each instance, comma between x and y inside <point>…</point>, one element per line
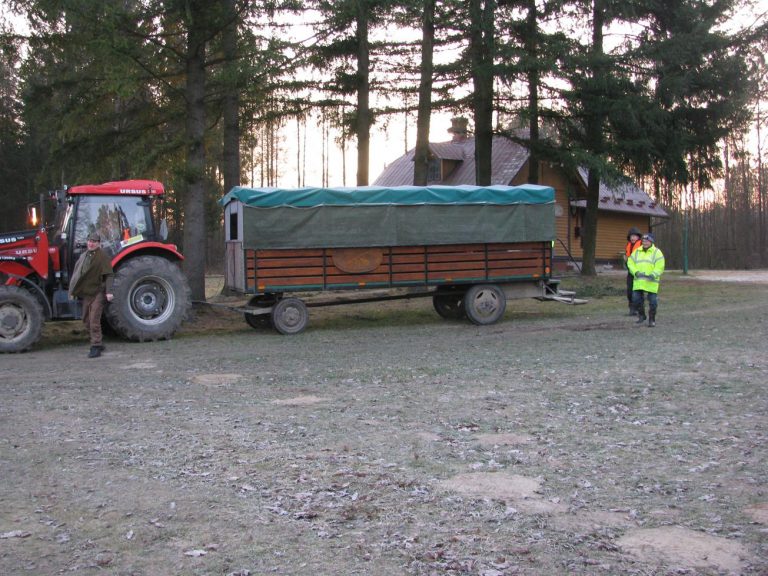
<point>633,243</point>
<point>646,265</point>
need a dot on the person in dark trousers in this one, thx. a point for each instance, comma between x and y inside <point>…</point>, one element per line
<point>633,243</point>
<point>646,265</point>
<point>92,281</point>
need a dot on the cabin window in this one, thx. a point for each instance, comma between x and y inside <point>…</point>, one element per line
<point>433,170</point>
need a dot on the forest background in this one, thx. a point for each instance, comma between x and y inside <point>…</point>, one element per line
<point>204,95</point>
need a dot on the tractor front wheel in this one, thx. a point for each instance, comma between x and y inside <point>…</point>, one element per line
<point>151,299</point>
<point>21,319</point>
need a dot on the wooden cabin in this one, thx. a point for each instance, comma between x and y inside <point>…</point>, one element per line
<point>621,207</point>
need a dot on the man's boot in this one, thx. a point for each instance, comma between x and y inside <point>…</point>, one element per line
<point>632,311</point>
<point>641,313</point>
<point>95,352</point>
<point>651,318</point>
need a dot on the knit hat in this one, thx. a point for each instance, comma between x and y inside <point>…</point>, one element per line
<point>634,231</point>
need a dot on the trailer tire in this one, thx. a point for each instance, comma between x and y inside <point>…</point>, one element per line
<point>449,306</point>
<point>151,299</point>
<point>290,316</point>
<point>484,304</point>
<point>258,321</point>
<point>21,319</point>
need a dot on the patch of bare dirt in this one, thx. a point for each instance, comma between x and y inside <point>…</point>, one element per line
<point>307,400</point>
<point>759,512</point>
<point>685,547</point>
<point>139,366</point>
<point>521,492</point>
<point>215,379</point>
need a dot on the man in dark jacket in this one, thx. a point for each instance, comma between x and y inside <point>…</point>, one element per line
<point>633,243</point>
<point>92,281</point>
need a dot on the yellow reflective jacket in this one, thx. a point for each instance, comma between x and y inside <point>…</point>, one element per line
<point>646,266</point>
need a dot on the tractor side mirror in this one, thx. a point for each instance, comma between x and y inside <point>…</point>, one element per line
<point>163,230</point>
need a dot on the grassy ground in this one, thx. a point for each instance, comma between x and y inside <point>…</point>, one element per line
<point>385,440</point>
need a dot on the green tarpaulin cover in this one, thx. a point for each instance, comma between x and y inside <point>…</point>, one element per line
<point>399,195</point>
<point>396,216</point>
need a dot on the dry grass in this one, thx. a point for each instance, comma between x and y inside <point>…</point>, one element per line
<point>384,440</point>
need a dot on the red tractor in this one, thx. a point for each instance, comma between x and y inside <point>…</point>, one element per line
<point>151,295</point>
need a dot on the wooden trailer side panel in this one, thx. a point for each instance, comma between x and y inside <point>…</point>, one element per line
<point>285,270</point>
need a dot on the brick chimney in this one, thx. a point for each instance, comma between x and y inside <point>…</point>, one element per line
<point>459,128</point>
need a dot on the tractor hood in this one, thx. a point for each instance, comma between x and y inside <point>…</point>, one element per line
<point>11,241</point>
<point>23,253</point>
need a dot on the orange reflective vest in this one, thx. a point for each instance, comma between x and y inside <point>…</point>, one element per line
<point>630,248</point>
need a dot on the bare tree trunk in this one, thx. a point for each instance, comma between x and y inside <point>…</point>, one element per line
<point>231,104</point>
<point>343,151</point>
<point>481,13</point>
<point>594,132</point>
<point>194,201</point>
<point>762,236</point>
<point>298,152</point>
<point>421,154</point>
<point>304,155</point>
<point>363,125</point>
<point>531,51</point>
<point>590,224</point>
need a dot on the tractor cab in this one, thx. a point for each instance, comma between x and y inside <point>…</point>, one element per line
<point>120,212</point>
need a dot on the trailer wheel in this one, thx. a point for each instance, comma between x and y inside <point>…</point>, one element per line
<point>290,316</point>
<point>449,306</point>
<point>258,321</point>
<point>151,299</point>
<point>21,319</point>
<point>485,304</point>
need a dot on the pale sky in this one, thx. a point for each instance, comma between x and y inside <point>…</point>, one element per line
<point>387,144</point>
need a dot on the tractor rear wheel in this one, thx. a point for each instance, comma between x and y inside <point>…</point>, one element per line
<point>151,299</point>
<point>21,319</point>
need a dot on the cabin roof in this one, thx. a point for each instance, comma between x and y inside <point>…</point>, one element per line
<point>508,158</point>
